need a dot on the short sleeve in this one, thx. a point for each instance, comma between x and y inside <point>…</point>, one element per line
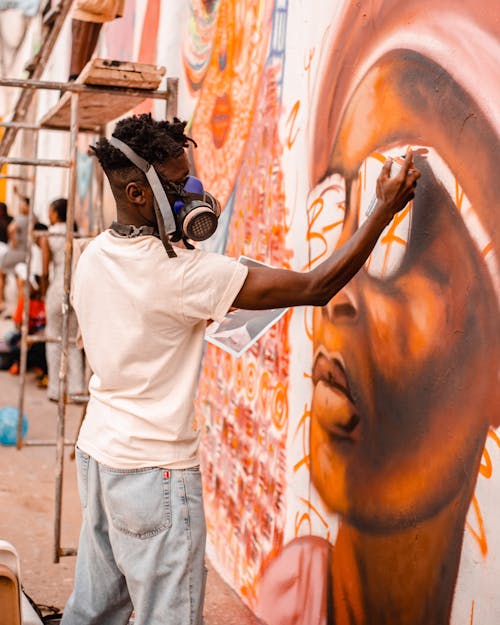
<point>210,285</point>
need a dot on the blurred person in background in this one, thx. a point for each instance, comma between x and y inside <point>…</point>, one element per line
<point>5,220</point>
<point>53,273</point>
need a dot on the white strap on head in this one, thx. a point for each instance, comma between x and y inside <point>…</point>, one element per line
<point>154,182</point>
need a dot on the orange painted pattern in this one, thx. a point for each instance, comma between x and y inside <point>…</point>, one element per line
<point>243,403</point>
<point>223,118</point>
<point>477,530</point>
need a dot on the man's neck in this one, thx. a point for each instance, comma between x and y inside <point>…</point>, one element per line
<point>128,219</point>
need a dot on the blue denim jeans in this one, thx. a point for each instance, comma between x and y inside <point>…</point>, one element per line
<point>142,547</point>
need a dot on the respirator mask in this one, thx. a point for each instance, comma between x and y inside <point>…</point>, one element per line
<point>194,213</point>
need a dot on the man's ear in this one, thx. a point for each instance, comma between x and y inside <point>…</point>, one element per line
<point>135,193</point>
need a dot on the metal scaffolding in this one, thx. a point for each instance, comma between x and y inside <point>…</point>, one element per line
<point>77,89</point>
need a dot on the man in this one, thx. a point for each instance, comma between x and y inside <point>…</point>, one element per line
<point>142,307</point>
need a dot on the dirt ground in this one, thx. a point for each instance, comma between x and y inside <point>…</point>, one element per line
<point>27,508</point>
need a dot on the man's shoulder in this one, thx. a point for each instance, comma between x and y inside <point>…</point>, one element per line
<point>88,245</point>
<point>209,258</point>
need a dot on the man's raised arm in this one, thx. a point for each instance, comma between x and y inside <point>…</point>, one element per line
<point>266,287</point>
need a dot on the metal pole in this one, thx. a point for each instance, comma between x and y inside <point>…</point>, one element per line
<point>80,87</point>
<point>23,362</point>
<point>35,442</point>
<point>172,96</point>
<point>99,181</point>
<point>23,178</point>
<point>40,162</point>
<point>63,370</point>
<point>19,125</point>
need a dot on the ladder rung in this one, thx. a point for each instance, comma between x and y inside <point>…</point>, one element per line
<point>38,442</point>
<point>79,399</point>
<point>25,178</point>
<point>42,162</point>
<point>20,125</point>
<point>73,399</point>
<point>41,338</point>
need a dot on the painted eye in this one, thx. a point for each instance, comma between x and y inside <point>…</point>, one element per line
<point>393,244</point>
<point>391,247</point>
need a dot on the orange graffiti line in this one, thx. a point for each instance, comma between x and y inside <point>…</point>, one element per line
<point>308,61</point>
<point>459,196</point>
<point>378,156</point>
<point>304,461</point>
<point>292,118</point>
<point>492,434</point>
<point>309,238</point>
<point>332,226</point>
<point>304,518</point>
<point>313,213</point>
<point>315,510</point>
<point>391,237</point>
<point>303,419</point>
<point>472,613</point>
<point>486,249</point>
<point>480,535</point>
<point>486,469</point>
<point>389,240</point>
<point>398,218</point>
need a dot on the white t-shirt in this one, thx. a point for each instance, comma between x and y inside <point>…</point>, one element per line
<point>142,317</point>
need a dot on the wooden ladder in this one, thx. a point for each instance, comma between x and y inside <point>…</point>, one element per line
<point>53,21</point>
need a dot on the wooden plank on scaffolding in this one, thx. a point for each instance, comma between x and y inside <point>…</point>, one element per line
<point>97,109</point>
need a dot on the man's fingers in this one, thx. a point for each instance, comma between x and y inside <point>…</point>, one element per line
<point>408,162</point>
<point>386,169</point>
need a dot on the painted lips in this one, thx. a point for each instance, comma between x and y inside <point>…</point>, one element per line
<point>333,405</point>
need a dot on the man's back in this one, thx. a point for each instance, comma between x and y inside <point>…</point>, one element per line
<point>142,317</point>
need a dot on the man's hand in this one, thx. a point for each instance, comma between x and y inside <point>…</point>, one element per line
<point>394,193</point>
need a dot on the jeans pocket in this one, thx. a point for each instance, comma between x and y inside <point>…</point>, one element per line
<point>138,501</point>
<point>82,476</point>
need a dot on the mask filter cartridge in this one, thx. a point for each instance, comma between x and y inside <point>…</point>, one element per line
<point>196,210</point>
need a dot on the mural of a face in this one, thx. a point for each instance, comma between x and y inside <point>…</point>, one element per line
<point>406,368</point>
<point>405,374</point>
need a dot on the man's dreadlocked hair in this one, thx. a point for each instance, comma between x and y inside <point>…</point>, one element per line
<point>155,141</point>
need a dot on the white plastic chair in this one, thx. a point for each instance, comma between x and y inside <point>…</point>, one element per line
<point>15,609</point>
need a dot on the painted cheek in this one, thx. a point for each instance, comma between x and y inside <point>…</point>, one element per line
<point>407,327</point>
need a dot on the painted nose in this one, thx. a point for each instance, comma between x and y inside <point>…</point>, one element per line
<point>343,306</point>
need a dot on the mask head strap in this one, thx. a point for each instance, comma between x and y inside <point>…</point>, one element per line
<point>163,210</point>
